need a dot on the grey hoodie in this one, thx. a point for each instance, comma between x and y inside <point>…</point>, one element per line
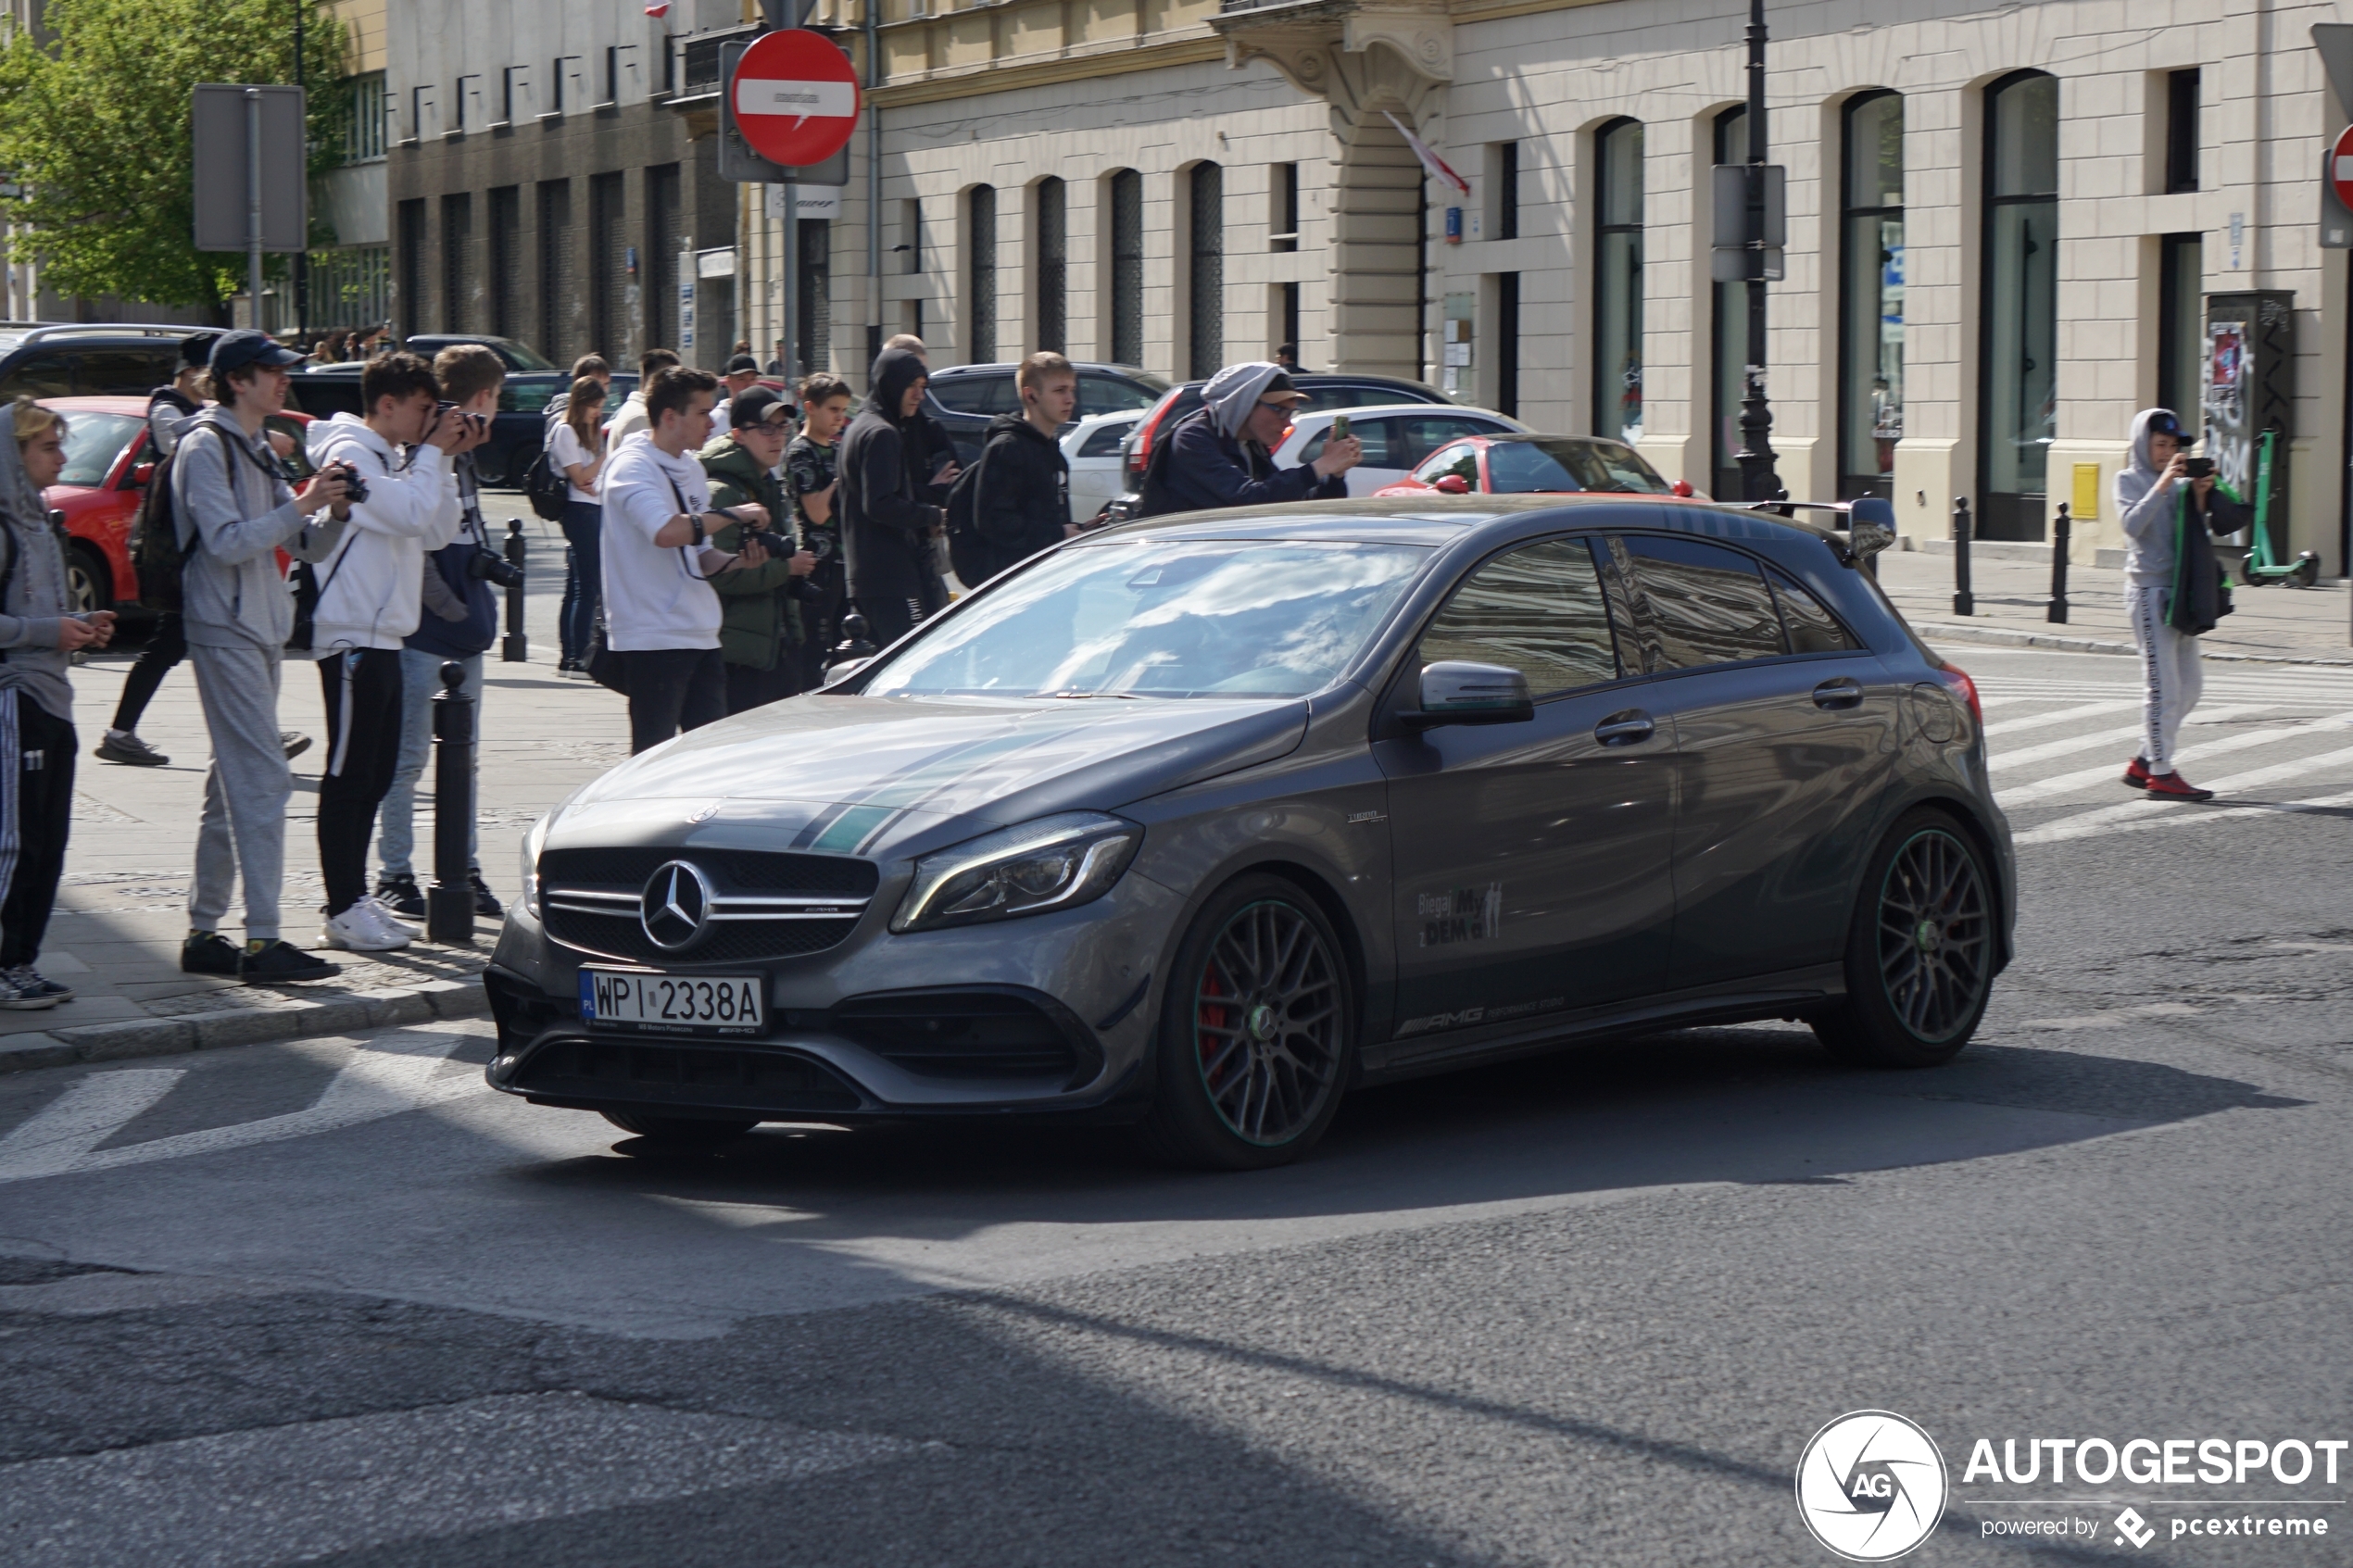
<point>2145,510</point>
<point>235,514</point>
<point>37,599</point>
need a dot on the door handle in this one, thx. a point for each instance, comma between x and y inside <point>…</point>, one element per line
<point>1844,692</point>
<point>1629,728</point>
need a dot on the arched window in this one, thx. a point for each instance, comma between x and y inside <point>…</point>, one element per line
<point>1206,295</point>
<point>1126,203</point>
<point>2018,309</point>
<point>1870,354</point>
<point>980,274</point>
<point>1618,281</point>
<point>1728,340</point>
<point>1053,264</point>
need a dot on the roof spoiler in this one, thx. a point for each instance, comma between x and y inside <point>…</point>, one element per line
<point>1870,524</point>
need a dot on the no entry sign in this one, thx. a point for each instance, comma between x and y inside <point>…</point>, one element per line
<point>795,98</point>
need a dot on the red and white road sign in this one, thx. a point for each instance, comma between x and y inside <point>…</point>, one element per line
<point>2341,165</point>
<point>796,97</point>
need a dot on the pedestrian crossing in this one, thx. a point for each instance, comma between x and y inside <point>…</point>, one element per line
<point>2274,745</point>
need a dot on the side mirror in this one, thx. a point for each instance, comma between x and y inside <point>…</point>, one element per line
<point>1451,484</point>
<point>1458,692</point>
<point>1680,487</point>
<point>141,475</point>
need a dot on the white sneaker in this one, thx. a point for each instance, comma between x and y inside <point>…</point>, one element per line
<point>386,917</point>
<point>358,930</point>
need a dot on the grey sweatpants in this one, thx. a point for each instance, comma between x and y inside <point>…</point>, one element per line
<point>246,794</point>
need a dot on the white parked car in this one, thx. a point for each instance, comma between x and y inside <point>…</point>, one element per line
<point>1091,448</point>
<point>1397,436</point>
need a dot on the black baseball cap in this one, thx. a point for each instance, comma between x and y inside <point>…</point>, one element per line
<point>754,406</point>
<point>2162,422</point>
<point>196,349</point>
<point>741,363</point>
<point>235,351</point>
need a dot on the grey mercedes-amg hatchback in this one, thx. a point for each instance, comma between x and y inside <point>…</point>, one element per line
<point>1198,822</point>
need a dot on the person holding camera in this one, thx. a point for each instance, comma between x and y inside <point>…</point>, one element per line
<point>662,614</point>
<point>233,511</point>
<point>1222,455</point>
<point>39,634</point>
<point>371,597</point>
<point>759,627</point>
<point>458,591</point>
<point>2170,512</point>
<point>813,477</point>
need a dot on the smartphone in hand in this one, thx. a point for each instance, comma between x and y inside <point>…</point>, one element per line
<point>1340,427</point>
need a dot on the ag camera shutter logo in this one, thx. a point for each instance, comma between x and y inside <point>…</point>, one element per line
<point>1871,1486</point>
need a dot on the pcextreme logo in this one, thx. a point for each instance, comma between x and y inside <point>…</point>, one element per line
<point>1871,1486</point>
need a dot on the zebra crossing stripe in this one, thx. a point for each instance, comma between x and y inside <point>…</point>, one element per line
<point>63,1132</point>
<point>2135,815</point>
<point>2061,716</point>
<point>2066,783</point>
<point>2090,740</point>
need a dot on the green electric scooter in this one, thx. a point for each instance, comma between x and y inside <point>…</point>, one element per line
<point>2261,565</point>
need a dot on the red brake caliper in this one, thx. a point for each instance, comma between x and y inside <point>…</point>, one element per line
<point>1213,1017</point>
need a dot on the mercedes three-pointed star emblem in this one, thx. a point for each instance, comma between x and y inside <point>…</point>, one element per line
<point>675,906</point>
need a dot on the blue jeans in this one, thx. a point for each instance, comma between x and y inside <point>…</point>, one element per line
<point>396,829</point>
<point>584,579</point>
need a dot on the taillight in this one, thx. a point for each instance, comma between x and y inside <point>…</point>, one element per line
<point>1958,680</point>
<point>1139,451</point>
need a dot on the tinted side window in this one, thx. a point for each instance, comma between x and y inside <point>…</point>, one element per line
<point>39,375</point>
<point>122,371</point>
<point>1380,438</point>
<point>1697,603</point>
<point>1460,461</point>
<point>974,395</point>
<point>1110,395</point>
<point>1812,628</point>
<point>1104,440</point>
<point>1536,609</point>
<point>1519,467</point>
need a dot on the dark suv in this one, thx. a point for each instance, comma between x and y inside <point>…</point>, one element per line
<point>963,398</point>
<point>89,361</point>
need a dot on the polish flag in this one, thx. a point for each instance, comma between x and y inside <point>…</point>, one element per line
<point>1431,163</point>
<point>658,8</point>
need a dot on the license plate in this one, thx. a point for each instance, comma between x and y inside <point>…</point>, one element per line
<point>672,1004</point>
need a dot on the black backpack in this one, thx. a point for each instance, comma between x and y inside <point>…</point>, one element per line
<point>974,558</point>
<point>548,490</point>
<point>155,554</point>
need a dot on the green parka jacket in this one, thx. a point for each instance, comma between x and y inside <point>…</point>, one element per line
<point>758,621</point>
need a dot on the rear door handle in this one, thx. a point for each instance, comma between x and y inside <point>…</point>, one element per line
<point>1629,728</point>
<point>1843,692</point>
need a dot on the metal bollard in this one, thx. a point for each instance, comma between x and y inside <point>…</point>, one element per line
<point>2060,532</point>
<point>515,647</point>
<point>1964,602</point>
<point>449,902</point>
<point>854,643</point>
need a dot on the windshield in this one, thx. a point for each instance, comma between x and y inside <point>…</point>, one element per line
<point>1172,619</point>
<point>522,356</point>
<point>1569,463</point>
<point>93,441</point>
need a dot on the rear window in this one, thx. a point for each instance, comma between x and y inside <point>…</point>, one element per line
<point>1105,441</point>
<point>1099,393</point>
<point>127,373</point>
<point>1564,464</point>
<point>93,441</point>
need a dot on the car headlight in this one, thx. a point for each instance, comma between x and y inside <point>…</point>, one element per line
<point>1055,862</point>
<point>531,843</point>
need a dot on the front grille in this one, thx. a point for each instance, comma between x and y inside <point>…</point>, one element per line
<point>960,1034</point>
<point>723,1077</point>
<point>731,871</point>
<point>734,873</point>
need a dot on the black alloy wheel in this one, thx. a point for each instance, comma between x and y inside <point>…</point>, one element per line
<point>1255,1030</point>
<point>1920,960</point>
<point>675,1135</point>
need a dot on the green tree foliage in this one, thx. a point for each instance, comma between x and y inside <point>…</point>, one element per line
<point>94,135</point>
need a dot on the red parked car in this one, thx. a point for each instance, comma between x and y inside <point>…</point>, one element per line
<point>1524,465</point>
<point>108,458</point>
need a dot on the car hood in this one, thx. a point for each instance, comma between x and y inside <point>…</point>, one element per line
<point>866,775</point>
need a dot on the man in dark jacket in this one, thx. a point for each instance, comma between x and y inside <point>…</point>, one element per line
<point>888,527</point>
<point>759,631</point>
<point>1222,456</point>
<point>1021,493</point>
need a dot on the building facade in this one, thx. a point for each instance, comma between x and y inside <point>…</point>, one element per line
<point>2003,220</point>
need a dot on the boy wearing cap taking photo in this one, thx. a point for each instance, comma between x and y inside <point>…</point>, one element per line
<point>1223,454</point>
<point>759,627</point>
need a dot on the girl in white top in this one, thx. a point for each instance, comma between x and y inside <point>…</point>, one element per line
<point>576,444</point>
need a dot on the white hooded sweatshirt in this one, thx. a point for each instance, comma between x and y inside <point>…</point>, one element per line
<point>371,589</point>
<point>2145,508</point>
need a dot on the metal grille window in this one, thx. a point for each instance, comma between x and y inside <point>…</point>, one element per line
<point>2181,130</point>
<point>1206,292</point>
<point>556,271</point>
<point>351,287</point>
<point>411,276</point>
<point>662,256</point>
<point>1870,360</point>
<point>1507,190</point>
<point>365,137</point>
<point>814,343</point>
<point>1728,333</point>
<point>1285,202</point>
<point>2017,311</point>
<point>1617,292</point>
<point>609,300</point>
<point>980,274</point>
<point>1127,268</point>
<point>505,222</point>
<point>461,267</point>
<point>1053,264</point>
<point>2180,327</point>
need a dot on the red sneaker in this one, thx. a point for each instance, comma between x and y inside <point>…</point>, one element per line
<point>2173,786</point>
<point>2137,775</point>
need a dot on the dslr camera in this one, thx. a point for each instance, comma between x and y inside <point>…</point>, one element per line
<point>2197,468</point>
<point>483,566</point>
<point>354,487</point>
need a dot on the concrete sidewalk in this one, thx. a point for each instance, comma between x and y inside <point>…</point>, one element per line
<point>2012,584</point>
<point>122,912</point>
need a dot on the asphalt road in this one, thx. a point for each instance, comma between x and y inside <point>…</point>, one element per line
<point>335,1302</point>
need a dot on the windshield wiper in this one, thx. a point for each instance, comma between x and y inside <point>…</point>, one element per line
<point>1082,696</point>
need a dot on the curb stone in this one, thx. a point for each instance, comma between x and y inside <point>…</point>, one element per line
<point>2012,638</point>
<point>243,1026</point>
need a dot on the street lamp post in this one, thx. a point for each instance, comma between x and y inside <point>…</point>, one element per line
<point>1758,481</point>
